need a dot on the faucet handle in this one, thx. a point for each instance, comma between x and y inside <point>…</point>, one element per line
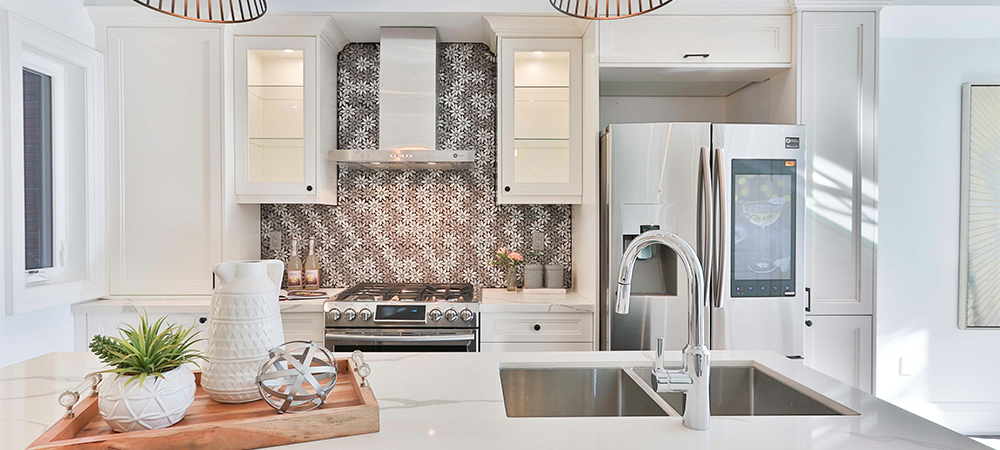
<point>659,354</point>
<point>673,380</point>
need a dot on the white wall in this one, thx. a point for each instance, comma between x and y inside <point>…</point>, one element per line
<point>28,335</point>
<point>662,109</point>
<point>926,53</point>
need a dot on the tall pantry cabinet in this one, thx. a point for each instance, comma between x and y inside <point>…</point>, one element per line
<point>837,75</point>
<point>171,204</point>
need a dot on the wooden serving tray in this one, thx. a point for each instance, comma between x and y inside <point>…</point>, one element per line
<point>349,410</point>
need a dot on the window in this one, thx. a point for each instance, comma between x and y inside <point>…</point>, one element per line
<point>52,252</point>
<point>37,101</point>
<point>44,107</point>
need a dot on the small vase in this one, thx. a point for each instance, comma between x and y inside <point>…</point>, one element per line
<point>511,279</point>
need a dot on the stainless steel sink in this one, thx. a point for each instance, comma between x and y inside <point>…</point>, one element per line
<point>577,392</point>
<point>615,392</point>
<point>747,391</point>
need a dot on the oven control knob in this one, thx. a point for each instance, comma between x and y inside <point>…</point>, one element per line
<point>467,315</point>
<point>349,314</point>
<point>365,314</point>
<point>435,314</point>
<point>450,315</point>
<point>333,314</point>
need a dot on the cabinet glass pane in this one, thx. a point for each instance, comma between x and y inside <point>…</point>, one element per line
<point>541,113</point>
<point>276,116</point>
<point>541,161</point>
<point>540,68</point>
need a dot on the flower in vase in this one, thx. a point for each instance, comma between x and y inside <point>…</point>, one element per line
<point>516,256</point>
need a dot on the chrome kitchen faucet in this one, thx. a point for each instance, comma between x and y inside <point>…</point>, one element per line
<point>692,378</point>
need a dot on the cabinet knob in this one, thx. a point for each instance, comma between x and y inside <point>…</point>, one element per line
<point>202,319</point>
<point>506,188</point>
<point>809,323</point>
<point>309,188</point>
<point>538,327</point>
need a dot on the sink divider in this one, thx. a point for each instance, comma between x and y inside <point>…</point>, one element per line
<point>651,393</point>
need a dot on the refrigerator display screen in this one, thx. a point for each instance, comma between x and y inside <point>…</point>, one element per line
<point>762,228</point>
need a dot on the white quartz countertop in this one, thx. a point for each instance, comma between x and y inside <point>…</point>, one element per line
<point>183,305</point>
<point>502,301</point>
<point>441,401</point>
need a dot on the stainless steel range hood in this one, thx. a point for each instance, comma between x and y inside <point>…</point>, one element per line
<point>407,108</point>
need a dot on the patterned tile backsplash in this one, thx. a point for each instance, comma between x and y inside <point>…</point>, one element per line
<point>419,226</point>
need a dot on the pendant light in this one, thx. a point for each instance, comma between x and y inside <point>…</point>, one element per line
<point>212,11</point>
<point>606,9</point>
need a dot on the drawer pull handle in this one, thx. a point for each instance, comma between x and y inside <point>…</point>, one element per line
<point>696,55</point>
<point>202,319</point>
<point>538,327</point>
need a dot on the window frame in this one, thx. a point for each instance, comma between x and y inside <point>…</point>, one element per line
<point>78,142</point>
<point>58,111</point>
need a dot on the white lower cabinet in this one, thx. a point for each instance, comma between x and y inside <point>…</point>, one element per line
<point>302,326</point>
<point>841,347</point>
<point>108,324</point>
<point>536,332</point>
<point>536,346</point>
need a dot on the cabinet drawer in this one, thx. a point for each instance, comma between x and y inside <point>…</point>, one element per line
<point>665,40</point>
<point>536,347</point>
<point>303,326</point>
<point>544,327</point>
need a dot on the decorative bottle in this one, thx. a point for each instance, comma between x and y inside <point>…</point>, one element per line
<point>294,267</point>
<point>311,279</point>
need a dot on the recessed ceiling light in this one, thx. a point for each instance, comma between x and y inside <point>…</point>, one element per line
<point>288,50</point>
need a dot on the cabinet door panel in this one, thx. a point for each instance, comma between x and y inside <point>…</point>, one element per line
<point>665,40</point>
<point>540,121</point>
<point>536,347</point>
<point>838,98</point>
<point>275,115</point>
<point>841,347</point>
<point>544,327</point>
<point>166,159</point>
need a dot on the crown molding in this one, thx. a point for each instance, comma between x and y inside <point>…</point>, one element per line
<point>839,5</point>
<point>531,26</point>
<point>296,24</point>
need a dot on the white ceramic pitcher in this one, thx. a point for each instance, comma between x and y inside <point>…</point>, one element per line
<point>245,324</point>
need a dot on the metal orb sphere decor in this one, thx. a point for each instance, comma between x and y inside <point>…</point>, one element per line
<point>606,9</point>
<point>297,377</point>
<point>212,11</point>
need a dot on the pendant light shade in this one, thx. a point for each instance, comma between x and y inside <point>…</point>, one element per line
<point>606,9</point>
<point>212,11</point>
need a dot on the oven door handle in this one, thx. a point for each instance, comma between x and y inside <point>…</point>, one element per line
<point>471,336</point>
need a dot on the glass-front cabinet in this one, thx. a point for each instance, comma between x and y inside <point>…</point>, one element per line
<point>278,146</point>
<point>539,160</point>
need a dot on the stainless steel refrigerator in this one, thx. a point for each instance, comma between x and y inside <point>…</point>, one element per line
<point>737,194</point>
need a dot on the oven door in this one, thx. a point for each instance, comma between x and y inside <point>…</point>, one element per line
<point>402,340</point>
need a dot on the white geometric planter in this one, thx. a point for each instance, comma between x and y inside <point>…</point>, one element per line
<point>157,403</point>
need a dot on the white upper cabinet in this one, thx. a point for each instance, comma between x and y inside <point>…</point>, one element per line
<point>540,159</point>
<point>165,159</point>
<point>653,40</point>
<point>280,83</point>
<point>838,109</point>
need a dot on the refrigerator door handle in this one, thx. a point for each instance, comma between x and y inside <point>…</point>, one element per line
<point>705,213</point>
<point>720,228</point>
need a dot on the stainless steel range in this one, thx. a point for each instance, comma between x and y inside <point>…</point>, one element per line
<point>403,318</point>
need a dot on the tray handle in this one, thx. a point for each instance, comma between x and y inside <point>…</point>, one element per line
<point>69,398</point>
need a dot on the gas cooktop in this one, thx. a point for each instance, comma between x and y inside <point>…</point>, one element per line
<point>408,292</point>
<point>404,306</point>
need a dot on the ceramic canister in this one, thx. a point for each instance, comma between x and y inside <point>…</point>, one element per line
<point>533,276</point>
<point>553,276</point>
<point>245,324</point>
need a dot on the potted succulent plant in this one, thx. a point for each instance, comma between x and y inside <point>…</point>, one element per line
<point>152,387</point>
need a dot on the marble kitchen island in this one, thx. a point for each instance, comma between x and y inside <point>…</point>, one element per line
<point>440,401</point>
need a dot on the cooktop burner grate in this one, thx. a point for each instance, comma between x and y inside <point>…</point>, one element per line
<point>407,292</point>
